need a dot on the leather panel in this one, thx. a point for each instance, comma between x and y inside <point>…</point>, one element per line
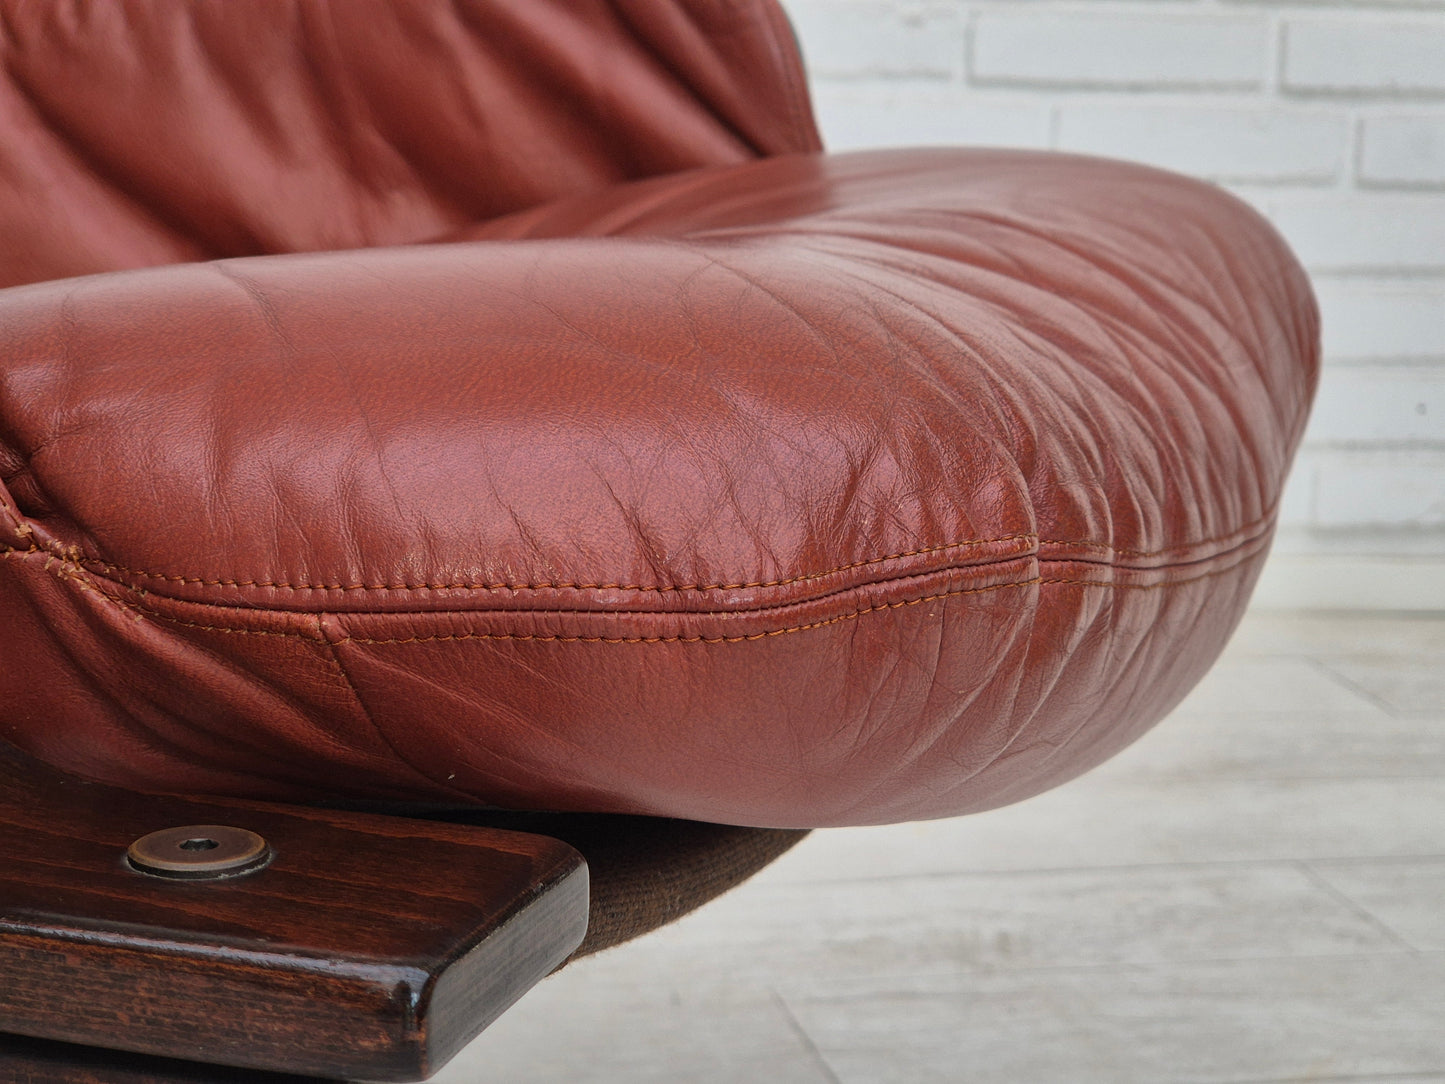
<point>141,132</point>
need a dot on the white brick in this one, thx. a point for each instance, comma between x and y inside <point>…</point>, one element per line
<point>1064,48</point>
<point>1260,145</point>
<point>854,117</point>
<point>1403,150</point>
<point>1365,232</point>
<point>1404,489</point>
<point>1388,320</point>
<point>1374,404</point>
<point>851,39</point>
<point>1337,55</point>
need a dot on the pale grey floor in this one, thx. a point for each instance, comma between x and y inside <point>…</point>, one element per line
<point>1253,893</point>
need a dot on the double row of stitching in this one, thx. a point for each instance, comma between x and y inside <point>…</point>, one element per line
<point>1033,581</point>
<point>853,615</point>
<point>1243,534</point>
<point>553,586</point>
<point>283,585</point>
<point>144,611</point>
<point>317,636</point>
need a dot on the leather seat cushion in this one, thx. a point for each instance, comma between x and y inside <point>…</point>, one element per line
<point>796,492</point>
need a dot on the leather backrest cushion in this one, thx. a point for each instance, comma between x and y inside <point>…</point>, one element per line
<point>159,131</point>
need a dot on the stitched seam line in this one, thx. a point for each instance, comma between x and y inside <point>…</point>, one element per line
<point>141,611</point>
<point>540,638</point>
<point>543,586</point>
<point>662,588</point>
<point>771,632</point>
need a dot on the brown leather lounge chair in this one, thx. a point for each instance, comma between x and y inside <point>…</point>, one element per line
<point>502,405</point>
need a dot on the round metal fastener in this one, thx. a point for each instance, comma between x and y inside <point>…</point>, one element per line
<point>199,852</point>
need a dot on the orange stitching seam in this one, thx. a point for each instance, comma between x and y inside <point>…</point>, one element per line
<point>572,639</point>
<point>282,585</point>
<point>663,588</point>
<point>22,529</point>
<point>533,637</point>
<point>1152,553</point>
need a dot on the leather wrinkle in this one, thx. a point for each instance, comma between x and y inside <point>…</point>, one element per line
<point>396,751</point>
<point>97,168</point>
<point>261,300</point>
<point>1152,294</point>
<point>1082,724</point>
<point>1001,751</point>
<point>154,739</point>
<point>1149,290</point>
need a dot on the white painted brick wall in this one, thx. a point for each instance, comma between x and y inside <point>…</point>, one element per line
<point>1348,54</point>
<point>1363,232</point>
<point>1328,115</point>
<point>1403,151</point>
<point>919,114</point>
<point>1378,406</point>
<point>1384,319</point>
<point>858,39</point>
<point>1036,46</point>
<point>1227,143</point>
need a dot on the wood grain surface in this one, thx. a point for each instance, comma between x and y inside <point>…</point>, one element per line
<point>371,947</point>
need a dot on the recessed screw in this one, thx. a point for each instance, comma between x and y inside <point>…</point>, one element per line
<point>199,852</point>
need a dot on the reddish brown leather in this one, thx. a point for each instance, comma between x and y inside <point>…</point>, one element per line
<point>136,132</point>
<point>791,492</point>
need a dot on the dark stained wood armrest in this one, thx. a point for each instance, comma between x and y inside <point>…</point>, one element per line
<point>370,946</point>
